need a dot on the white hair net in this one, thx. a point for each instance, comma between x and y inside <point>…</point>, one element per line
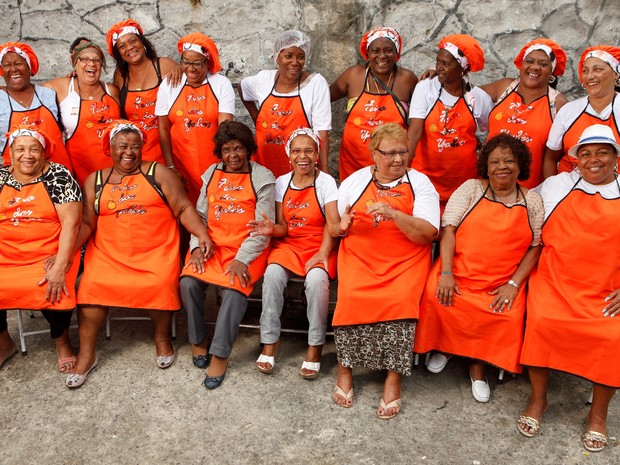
<point>292,38</point>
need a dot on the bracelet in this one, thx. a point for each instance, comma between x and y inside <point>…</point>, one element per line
<point>339,233</point>
<point>513,283</point>
<point>446,272</point>
<point>170,167</point>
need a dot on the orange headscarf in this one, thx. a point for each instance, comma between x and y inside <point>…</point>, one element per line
<point>470,49</point>
<point>114,128</point>
<point>128,26</point>
<point>551,48</point>
<point>608,53</point>
<point>26,130</point>
<point>202,44</point>
<point>378,32</point>
<point>24,51</point>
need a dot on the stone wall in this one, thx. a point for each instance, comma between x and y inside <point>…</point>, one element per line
<point>245,30</point>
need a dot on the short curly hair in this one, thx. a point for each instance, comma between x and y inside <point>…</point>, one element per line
<point>234,130</point>
<point>516,146</point>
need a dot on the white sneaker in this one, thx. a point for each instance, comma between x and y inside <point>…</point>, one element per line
<point>480,390</point>
<point>437,362</point>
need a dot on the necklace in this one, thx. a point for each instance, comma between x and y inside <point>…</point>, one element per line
<point>388,85</point>
<point>90,97</point>
<point>21,102</point>
<point>139,86</point>
<point>382,187</point>
<point>517,190</point>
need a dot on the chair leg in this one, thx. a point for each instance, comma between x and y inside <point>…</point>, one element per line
<point>416,361</point>
<point>500,378</point>
<point>107,326</point>
<point>590,396</point>
<point>22,337</point>
<point>174,327</point>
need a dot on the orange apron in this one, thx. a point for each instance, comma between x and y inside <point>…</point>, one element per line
<point>232,203</point>
<point>571,136</point>
<point>381,272</point>
<point>140,108</point>
<point>305,222</point>
<point>132,260</point>
<point>577,270</point>
<point>29,233</point>
<point>84,145</point>
<point>369,111</point>
<point>470,328</point>
<point>43,119</point>
<point>194,121</point>
<point>446,152</point>
<point>278,116</point>
<point>529,123</point>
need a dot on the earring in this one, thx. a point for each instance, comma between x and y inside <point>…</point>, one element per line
<point>617,81</point>
<point>552,79</point>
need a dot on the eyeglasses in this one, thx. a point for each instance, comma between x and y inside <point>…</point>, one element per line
<point>392,154</point>
<point>236,149</point>
<point>308,152</point>
<point>94,61</point>
<point>193,64</point>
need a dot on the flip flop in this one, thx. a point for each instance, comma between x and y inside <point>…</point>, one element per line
<point>345,395</point>
<point>382,406</point>
<point>66,361</point>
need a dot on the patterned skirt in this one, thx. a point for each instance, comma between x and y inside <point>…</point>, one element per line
<point>378,346</point>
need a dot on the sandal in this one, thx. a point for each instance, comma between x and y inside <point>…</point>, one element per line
<point>591,436</point>
<point>382,406</point>
<point>532,424</point>
<point>347,396</point>
<point>312,370</point>
<point>65,365</point>
<point>270,359</point>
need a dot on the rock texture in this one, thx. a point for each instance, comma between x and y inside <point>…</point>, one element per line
<point>245,30</point>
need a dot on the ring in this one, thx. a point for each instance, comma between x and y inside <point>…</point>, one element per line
<point>506,301</point>
<point>245,275</point>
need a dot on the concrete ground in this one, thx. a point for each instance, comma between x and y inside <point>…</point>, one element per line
<point>131,412</point>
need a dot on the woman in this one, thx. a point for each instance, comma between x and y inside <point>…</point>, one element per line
<point>445,114</point>
<point>599,72</point>
<point>40,213</point>
<point>574,295</point>
<point>377,92</point>
<point>525,107</point>
<point>474,301</point>
<point>284,99</point>
<point>190,113</point>
<point>132,258</point>
<point>87,107</point>
<point>138,74</point>
<point>380,286</point>
<point>234,192</point>
<point>25,104</point>
<point>306,212</point>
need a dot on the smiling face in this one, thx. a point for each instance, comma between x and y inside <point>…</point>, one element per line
<point>598,78</point>
<point>535,70</point>
<point>303,155</point>
<point>382,56</point>
<point>291,62</point>
<point>88,66</point>
<point>15,71</point>
<point>130,48</point>
<point>126,152</point>
<point>27,156</point>
<point>194,66</point>
<point>235,156</point>
<point>597,163</point>
<point>449,70</point>
<point>502,168</point>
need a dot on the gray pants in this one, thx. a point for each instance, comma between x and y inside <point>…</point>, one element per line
<point>232,309</point>
<point>317,294</point>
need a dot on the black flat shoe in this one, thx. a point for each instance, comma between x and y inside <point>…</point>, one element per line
<point>213,382</point>
<point>201,361</point>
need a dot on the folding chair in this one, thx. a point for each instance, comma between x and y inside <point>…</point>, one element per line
<point>135,318</point>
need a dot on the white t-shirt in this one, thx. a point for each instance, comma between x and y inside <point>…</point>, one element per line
<point>70,109</point>
<point>425,207</point>
<point>42,96</point>
<point>314,93</point>
<point>221,86</point>
<point>555,188</point>
<point>325,185</point>
<point>570,112</point>
<point>427,91</point>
